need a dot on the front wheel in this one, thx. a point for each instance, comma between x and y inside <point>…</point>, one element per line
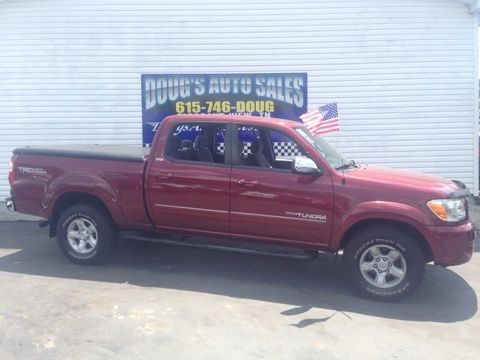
<point>384,263</point>
<point>85,234</point>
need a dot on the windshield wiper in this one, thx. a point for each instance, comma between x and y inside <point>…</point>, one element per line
<point>348,165</point>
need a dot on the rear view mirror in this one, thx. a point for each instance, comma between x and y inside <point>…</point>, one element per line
<point>305,166</point>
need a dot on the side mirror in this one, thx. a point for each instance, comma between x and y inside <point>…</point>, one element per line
<point>305,166</point>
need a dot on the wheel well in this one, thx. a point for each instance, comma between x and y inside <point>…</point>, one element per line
<point>409,229</point>
<point>73,198</point>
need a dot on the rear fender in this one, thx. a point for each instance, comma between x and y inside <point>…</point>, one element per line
<point>84,183</point>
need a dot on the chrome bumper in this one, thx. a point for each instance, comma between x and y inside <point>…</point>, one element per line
<point>10,204</point>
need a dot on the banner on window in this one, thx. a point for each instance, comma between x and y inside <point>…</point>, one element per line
<point>282,95</point>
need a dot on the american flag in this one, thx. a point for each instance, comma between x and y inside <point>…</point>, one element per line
<point>322,120</point>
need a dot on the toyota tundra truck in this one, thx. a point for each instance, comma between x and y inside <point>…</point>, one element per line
<point>254,180</point>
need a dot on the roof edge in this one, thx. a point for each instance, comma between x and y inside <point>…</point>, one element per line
<point>473,6</point>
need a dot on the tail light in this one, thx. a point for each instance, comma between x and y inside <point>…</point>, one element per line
<point>11,171</point>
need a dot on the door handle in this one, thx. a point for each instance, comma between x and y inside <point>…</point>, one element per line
<point>247,182</point>
<point>162,175</point>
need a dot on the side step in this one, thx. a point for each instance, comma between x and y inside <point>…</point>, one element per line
<point>290,253</point>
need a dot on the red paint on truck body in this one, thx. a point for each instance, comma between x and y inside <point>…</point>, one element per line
<point>246,203</point>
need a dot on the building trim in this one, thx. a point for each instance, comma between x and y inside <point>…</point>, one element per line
<point>476,155</point>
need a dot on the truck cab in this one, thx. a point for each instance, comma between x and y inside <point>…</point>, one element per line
<point>237,179</point>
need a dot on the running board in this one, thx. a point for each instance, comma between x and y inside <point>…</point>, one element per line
<point>300,255</point>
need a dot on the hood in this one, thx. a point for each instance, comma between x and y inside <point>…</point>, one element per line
<point>407,180</point>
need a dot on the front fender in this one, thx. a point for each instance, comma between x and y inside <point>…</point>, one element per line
<point>85,183</point>
<point>377,210</point>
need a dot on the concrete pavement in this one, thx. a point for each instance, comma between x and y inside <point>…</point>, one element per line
<point>157,301</point>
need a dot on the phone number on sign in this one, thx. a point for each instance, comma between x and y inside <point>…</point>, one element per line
<point>197,107</point>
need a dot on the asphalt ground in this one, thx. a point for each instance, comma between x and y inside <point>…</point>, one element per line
<point>167,302</point>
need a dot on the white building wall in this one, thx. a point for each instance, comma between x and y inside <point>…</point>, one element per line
<point>402,72</point>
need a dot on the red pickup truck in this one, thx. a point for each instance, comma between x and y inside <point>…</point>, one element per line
<point>255,180</point>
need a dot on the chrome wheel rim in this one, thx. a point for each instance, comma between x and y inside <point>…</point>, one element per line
<point>383,266</point>
<point>82,235</point>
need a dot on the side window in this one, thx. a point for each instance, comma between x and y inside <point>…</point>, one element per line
<point>251,149</point>
<point>284,149</point>
<point>219,146</point>
<point>200,142</point>
<point>266,148</point>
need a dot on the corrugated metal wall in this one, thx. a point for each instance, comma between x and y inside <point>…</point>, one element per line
<point>402,72</point>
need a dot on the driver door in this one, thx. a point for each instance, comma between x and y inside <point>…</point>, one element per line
<point>271,202</point>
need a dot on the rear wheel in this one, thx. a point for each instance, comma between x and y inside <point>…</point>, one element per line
<point>85,234</point>
<point>384,263</point>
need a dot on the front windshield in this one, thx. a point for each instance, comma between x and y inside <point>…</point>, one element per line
<point>326,150</point>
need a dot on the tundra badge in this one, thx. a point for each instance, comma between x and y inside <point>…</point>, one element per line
<point>303,216</point>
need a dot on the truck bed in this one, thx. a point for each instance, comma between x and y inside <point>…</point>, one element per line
<point>99,152</point>
<point>114,174</point>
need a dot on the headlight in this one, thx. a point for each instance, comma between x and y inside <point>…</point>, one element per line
<point>448,209</point>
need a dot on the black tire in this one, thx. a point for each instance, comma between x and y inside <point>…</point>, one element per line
<point>105,234</point>
<point>366,245</point>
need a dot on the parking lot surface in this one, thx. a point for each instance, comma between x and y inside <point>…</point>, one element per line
<point>167,302</point>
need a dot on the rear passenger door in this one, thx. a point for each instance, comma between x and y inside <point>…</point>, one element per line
<point>188,184</point>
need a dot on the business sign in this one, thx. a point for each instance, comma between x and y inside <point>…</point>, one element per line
<point>282,95</point>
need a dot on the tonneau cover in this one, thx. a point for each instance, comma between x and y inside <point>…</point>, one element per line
<point>98,152</point>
